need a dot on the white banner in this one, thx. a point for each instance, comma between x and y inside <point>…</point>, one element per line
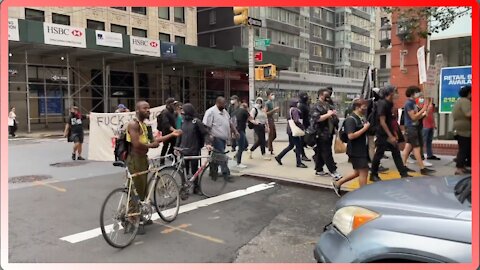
<point>104,128</point>
<point>13,33</point>
<point>422,69</point>
<point>109,39</point>
<point>64,35</point>
<point>144,46</point>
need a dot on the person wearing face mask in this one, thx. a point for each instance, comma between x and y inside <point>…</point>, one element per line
<point>322,116</point>
<point>305,116</point>
<point>356,127</point>
<point>259,115</point>
<point>413,117</point>
<point>270,110</point>
<point>232,109</point>
<point>74,132</point>
<point>166,123</point>
<point>462,125</point>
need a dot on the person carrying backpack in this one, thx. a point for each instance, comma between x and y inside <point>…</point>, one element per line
<point>260,116</point>
<point>194,136</point>
<point>355,128</point>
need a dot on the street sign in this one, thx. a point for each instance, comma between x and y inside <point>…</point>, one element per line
<point>258,56</point>
<point>254,22</point>
<point>451,80</point>
<point>263,42</point>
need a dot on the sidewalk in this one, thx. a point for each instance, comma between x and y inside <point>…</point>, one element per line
<point>257,167</point>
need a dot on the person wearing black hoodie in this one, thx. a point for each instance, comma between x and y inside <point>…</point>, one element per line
<point>166,123</point>
<point>194,136</point>
<point>305,115</point>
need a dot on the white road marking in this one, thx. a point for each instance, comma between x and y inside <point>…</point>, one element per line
<point>79,237</point>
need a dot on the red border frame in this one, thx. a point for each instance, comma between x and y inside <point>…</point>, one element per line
<point>4,134</point>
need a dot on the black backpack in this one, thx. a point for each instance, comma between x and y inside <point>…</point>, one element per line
<point>250,124</point>
<point>341,132</point>
<point>372,118</point>
<point>122,146</point>
<point>201,138</point>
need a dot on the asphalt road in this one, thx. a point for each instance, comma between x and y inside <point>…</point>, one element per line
<point>278,224</point>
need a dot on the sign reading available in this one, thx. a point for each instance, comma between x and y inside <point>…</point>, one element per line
<point>144,46</point>
<point>64,35</point>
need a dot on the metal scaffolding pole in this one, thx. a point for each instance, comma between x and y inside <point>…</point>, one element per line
<point>104,81</point>
<point>163,90</point>
<point>78,82</point>
<point>135,81</point>
<point>45,94</point>
<point>28,92</point>
<point>69,93</point>
<point>183,83</point>
<point>204,89</point>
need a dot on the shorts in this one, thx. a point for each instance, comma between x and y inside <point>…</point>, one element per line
<point>359,163</point>
<point>413,136</point>
<point>76,138</point>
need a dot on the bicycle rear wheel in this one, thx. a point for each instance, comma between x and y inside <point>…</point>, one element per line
<point>211,182</point>
<point>118,229</point>
<point>166,197</point>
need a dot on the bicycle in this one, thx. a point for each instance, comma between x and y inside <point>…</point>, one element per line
<point>209,183</point>
<point>127,210</point>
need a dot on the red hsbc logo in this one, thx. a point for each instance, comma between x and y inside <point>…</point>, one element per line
<point>153,44</point>
<point>77,33</point>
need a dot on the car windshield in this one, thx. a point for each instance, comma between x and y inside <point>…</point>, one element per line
<point>463,189</point>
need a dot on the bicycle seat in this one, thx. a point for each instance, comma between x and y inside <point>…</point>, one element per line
<point>119,163</point>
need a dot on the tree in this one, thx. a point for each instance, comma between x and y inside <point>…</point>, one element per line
<point>440,18</point>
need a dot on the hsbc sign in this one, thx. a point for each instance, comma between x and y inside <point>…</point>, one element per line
<point>64,35</point>
<point>144,46</point>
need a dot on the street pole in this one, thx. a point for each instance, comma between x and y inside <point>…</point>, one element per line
<point>251,66</point>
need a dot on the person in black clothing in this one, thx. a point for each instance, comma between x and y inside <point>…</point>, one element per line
<point>74,132</point>
<point>243,117</point>
<point>166,123</point>
<point>386,141</point>
<point>194,136</point>
<point>323,119</point>
<point>305,116</point>
<point>356,128</point>
<point>234,105</point>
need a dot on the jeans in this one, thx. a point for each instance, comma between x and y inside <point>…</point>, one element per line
<point>242,146</point>
<point>293,142</point>
<point>260,131</point>
<point>382,146</point>
<point>220,145</point>
<point>428,138</point>
<point>464,154</point>
<point>323,155</point>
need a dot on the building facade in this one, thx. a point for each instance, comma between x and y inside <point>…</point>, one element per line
<point>383,55</point>
<point>329,46</point>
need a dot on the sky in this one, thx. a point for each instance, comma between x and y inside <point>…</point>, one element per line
<point>461,27</point>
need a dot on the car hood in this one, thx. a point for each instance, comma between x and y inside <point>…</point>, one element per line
<point>422,196</point>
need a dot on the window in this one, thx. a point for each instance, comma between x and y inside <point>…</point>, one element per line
<point>118,29</point>
<point>139,10</point>
<point>328,53</point>
<point>164,37</point>
<point>317,50</point>
<point>95,25</point>
<point>179,14</point>
<point>329,16</point>
<point>317,13</point>
<point>329,35</point>
<point>60,19</point>
<point>34,15</point>
<point>213,16</point>
<point>212,40</point>
<point>179,40</point>
<point>317,31</point>
<point>121,8</point>
<point>139,32</point>
<point>164,13</point>
<point>383,61</point>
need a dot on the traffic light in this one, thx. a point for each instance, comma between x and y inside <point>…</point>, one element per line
<point>265,72</point>
<point>241,15</point>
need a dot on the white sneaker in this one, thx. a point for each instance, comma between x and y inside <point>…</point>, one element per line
<point>427,164</point>
<point>241,166</point>
<point>411,161</point>
<point>336,175</point>
<point>266,158</point>
<point>250,154</point>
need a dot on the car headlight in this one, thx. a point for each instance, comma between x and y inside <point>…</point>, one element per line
<point>349,218</point>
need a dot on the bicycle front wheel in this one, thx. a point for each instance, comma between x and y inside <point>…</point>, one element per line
<point>211,182</point>
<point>166,197</point>
<point>119,228</point>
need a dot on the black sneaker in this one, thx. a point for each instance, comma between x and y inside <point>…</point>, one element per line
<point>74,157</point>
<point>375,178</point>
<point>426,171</point>
<point>433,158</point>
<point>336,188</point>
<point>382,169</point>
<point>406,175</point>
<point>80,158</point>
<point>301,165</point>
<point>278,161</point>
<point>321,173</point>
<point>141,229</point>
<point>409,170</point>
<point>306,159</point>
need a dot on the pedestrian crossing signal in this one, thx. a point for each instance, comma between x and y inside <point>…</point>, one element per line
<point>265,72</point>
